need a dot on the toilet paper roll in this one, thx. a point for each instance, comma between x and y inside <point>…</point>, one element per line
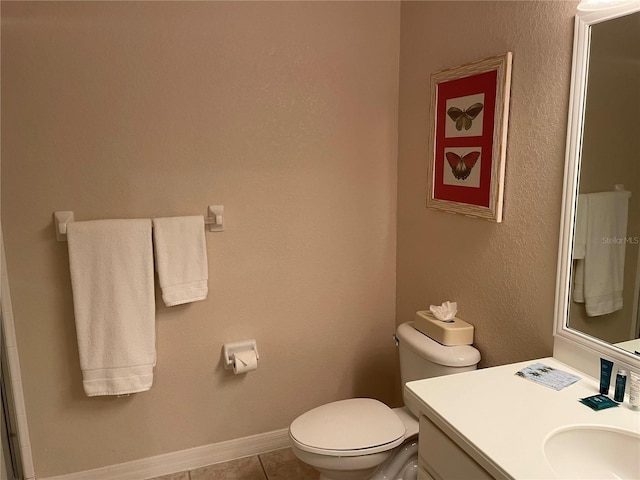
<point>244,362</point>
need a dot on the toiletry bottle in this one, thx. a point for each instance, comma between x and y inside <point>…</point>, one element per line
<point>621,383</point>
<point>605,375</point>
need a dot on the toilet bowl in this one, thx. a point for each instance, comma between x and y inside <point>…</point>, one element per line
<point>364,439</point>
<point>354,439</point>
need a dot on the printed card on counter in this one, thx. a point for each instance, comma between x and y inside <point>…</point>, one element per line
<point>548,376</point>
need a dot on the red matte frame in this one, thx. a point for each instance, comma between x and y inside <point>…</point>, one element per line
<point>481,83</point>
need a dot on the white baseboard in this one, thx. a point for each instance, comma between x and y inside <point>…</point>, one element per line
<point>180,461</point>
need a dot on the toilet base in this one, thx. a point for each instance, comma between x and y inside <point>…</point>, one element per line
<point>401,465</point>
<point>397,463</point>
<point>346,475</point>
<point>343,468</point>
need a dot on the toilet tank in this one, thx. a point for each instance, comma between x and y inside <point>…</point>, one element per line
<point>422,357</point>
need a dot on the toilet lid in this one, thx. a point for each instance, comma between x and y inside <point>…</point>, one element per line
<point>357,426</point>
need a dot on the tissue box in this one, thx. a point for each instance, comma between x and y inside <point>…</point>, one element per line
<point>457,332</point>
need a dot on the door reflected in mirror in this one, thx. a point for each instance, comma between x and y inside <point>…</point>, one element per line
<point>605,280</point>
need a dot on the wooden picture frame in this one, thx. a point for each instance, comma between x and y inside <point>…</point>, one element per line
<point>468,138</point>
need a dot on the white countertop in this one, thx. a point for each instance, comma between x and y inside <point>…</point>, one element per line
<point>502,420</point>
<point>630,345</point>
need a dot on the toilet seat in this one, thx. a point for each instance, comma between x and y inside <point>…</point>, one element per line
<point>353,427</point>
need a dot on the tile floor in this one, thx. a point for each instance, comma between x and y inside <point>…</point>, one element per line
<point>276,465</point>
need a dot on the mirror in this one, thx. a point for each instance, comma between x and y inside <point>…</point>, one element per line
<point>609,161</point>
<point>599,270</point>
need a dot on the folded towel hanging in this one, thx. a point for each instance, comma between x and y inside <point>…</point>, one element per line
<point>181,259</point>
<point>600,243</point>
<point>111,264</point>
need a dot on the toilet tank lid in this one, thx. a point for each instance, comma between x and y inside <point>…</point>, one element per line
<point>429,349</point>
<point>350,427</point>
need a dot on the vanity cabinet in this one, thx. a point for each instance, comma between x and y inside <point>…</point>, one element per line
<point>440,458</point>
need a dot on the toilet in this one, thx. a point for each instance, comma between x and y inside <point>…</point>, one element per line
<point>362,438</point>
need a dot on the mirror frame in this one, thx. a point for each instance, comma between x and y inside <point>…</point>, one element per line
<point>569,337</point>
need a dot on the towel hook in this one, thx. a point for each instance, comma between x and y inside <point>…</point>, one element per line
<point>61,220</point>
<point>215,218</point>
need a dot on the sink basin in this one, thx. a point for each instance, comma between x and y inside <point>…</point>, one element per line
<point>591,451</point>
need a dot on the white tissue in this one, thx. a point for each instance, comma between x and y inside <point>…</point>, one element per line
<point>445,312</point>
<point>244,362</point>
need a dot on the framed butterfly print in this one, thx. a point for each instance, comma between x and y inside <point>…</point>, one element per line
<point>468,138</point>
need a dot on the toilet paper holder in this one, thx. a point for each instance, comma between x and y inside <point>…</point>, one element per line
<point>230,349</point>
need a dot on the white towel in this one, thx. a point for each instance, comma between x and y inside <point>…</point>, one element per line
<point>580,237</point>
<point>181,259</point>
<point>111,263</point>
<point>599,275</point>
<point>580,247</point>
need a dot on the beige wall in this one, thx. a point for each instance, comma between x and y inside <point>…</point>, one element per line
<point>501,275</point>
<point>288,114</point>
<point>284,112</point>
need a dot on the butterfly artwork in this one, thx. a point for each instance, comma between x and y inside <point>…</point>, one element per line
<point>464,118</point>
<point>461,166</point>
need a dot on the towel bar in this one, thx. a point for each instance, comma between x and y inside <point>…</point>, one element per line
<point>214,219</point>
<point>619,187</point>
